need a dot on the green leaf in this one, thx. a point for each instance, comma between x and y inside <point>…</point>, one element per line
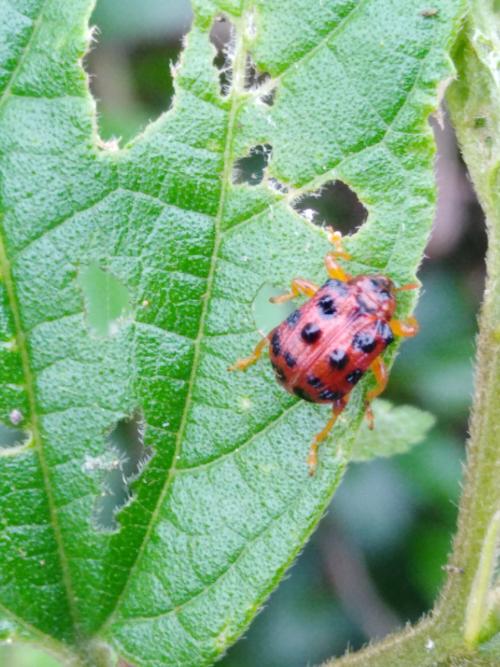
<point>397,429</point>
<point>225,503</point>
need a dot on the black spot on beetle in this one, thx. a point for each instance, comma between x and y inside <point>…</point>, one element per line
<point>384,295</point>
<point>314,381</point>
<point>276,344</point>
<point>364,341</point>
<point>330,395</point>
<point>310,333</point>
<point>327,305</point>
<point>280,375</point>
<point>292,319</point>
<point>364,306</point>
<point>298,391</point>
<point>338,359</point>
<point>290,360</point>
<point>355,376</point>
<point>385,333</point>
<point>336,285</point>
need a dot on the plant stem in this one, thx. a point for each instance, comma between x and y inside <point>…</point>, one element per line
<point>474,103</point>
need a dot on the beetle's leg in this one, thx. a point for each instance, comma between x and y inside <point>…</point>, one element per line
<point>312,458</point>
<point>333,268</point>
<point>406,328</point>
<point>243,364</point>
<point>382,377</point>
<point>335,239</point>
<point>299,287</point>
<point>408,286</point>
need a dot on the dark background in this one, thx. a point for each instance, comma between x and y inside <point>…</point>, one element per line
<point>376,559</point>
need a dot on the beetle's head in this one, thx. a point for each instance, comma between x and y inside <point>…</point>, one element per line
<point>377,294</point>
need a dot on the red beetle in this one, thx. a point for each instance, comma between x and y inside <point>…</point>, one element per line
<point>324,347</point>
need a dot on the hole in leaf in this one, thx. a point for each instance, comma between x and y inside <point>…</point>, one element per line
<point>107,302</point>
<point>268,315</point>
<point>333,205</point>
<point>222,37</point>
<point>118,467</point>
<point>11,437</point>
<point>250,169</point>
<point>135,43</point>
<point>269,96</point>
<point>254,79</point>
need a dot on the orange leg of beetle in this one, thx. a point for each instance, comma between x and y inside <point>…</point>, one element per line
<point>335,239</point>
<point>406,328</point>
<point>333,268</point>
<point>408,287</point>
<point>299,287</point>
<point>243,364</point>
<point>312,459</point>
<point>382,377</point>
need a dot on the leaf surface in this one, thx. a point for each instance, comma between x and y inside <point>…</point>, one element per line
<point>224,503</point>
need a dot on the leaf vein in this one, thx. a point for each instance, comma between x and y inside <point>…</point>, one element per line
<point>232,565</point>
<point>36,23</point>
<point>240,446</point>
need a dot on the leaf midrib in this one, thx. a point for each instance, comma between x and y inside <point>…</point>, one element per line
<point>238,68</point>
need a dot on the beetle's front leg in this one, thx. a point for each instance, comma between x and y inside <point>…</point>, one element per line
<point>299,287</point>
<point>335,238</point>
<point>333,268</point>
<point>406,328</point>
<point>312,458</point>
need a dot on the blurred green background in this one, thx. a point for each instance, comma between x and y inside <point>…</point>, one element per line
<point>377,558</point>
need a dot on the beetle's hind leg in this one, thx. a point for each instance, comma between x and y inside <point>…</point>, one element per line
<point>382,377</point>
<point>299,287</point>
<point>312,458</point>
<point>243,364</point>
<point>406,328</point>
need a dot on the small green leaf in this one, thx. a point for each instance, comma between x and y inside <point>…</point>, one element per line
<point>397,429</point>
